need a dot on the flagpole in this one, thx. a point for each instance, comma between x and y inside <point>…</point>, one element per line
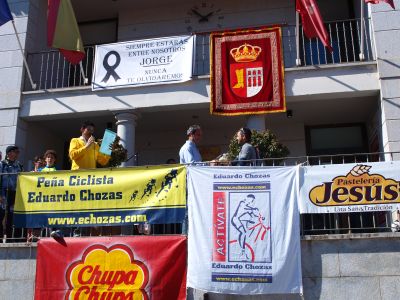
<point>361,55</point>
<point>298,60</point>
<point>83,73</point>
<point>23,57</point>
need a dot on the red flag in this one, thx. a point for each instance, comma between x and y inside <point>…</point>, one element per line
<point>63,32</point>
<point>312,21</point>
<point>390,2</point>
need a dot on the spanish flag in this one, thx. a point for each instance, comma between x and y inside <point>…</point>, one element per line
<point>63,32</point>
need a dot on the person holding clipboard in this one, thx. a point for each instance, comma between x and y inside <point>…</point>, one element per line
<point>84,151</point>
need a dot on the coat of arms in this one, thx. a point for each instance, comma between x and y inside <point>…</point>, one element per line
<point>247,74</point>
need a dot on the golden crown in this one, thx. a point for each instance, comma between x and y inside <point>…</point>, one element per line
<point>245,53</point>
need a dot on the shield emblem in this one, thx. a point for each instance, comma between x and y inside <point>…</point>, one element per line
<point>246,79</point>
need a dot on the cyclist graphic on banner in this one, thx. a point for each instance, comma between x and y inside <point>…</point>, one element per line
<point>249,233</point>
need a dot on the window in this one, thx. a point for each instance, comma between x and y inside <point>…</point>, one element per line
<point>329,141</point>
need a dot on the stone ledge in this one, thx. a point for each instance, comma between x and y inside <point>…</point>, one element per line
<point>207,76</point>
<point>332,66</point>
<point>18,245</point>
<point>325,237</point>
<point>352,236</point>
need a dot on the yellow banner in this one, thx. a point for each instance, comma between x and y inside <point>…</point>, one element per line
<point>102,190</point>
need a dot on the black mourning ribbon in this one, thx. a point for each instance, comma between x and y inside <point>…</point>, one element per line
<point>111,69</point>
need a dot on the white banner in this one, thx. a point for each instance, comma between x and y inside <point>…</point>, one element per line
<point>243,230</point>
<point>143,62</point>
<point>347,188</point>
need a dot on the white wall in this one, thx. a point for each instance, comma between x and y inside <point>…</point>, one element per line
<point>11,74</point>
<point>386,27</point>
<point>166,19</point>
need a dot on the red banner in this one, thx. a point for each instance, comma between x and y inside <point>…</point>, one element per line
<point>247,72</point>
<point>135,268</point>
<point>219,227</point>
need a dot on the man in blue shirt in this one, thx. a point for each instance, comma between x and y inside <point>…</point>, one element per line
<point>189,153</point>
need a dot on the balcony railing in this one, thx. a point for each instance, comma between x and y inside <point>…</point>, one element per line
<point>345,38</point>
<point>51,71</point>
<point>311,224</point>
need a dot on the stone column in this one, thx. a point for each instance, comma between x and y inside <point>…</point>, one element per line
<point>386,33</point>
<point>256,122</point>
<point>126,125</point>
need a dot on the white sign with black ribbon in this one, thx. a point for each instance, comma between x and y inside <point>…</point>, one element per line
<point>143,62</point>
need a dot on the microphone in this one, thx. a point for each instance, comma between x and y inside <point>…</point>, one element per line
<point>91,140</point>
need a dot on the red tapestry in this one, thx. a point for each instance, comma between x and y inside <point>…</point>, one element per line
<point>137,268</point>
<point>247,72</point>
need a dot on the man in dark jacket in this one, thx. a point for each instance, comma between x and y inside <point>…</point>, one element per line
<point>9,167</point>
<point>248,154</point>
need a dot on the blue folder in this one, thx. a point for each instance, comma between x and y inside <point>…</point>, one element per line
<point>108,139</point>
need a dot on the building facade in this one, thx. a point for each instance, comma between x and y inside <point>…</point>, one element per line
<point>338,104</point>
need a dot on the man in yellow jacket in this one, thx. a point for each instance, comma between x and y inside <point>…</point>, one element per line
<point>84,151</point>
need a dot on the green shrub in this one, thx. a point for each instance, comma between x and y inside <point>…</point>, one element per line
<point>118,154</point>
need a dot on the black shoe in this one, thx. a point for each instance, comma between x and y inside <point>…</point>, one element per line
<point>57,234</point>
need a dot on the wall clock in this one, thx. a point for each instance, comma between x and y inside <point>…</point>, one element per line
<point>202,14</point>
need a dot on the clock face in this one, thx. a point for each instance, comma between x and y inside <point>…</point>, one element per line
<point>203,15</point>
